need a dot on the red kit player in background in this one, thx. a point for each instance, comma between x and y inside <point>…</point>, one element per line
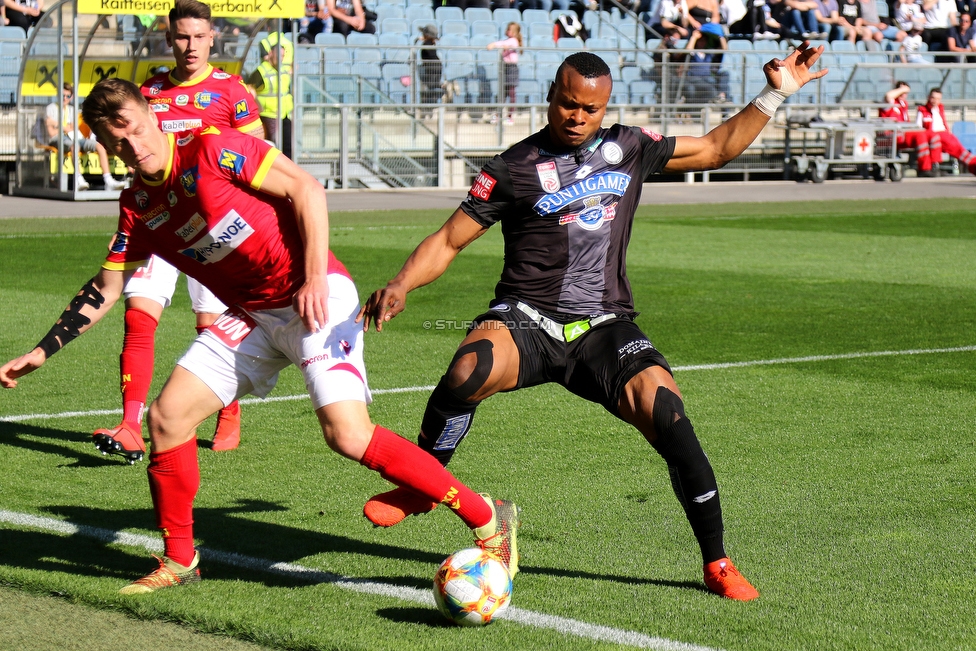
<point>193,95</point>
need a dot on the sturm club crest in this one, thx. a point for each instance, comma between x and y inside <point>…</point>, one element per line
<point>612,153</point>
<point>593,215</point>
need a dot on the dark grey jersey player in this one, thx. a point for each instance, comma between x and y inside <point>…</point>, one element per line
<point>563,310</point>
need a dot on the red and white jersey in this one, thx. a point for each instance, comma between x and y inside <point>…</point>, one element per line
<point>896,110</point>
<point>218,99</point>
<point>207,218</point>
<point>931,120</point>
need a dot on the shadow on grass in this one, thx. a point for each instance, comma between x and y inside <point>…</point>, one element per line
<point>64,443</point>
<point>224,529</point>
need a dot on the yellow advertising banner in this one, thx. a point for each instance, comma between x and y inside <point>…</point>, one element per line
<point>41,77</point>
<point>219,8</point>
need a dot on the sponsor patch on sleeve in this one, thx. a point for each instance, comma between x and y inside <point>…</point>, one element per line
<point>482,186</point>
<point>241,110</point>
<point>231,160</point>
<point>653,135</point>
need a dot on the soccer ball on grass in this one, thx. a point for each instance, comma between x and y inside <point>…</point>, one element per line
<point>471,587</point>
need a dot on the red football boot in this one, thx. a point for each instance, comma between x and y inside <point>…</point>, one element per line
<point>723,579</point>
<point>228,434</point>
<point>125,440</point>
<point>389,508</point>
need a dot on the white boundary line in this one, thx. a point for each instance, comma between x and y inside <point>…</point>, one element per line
<point>417,389</point>
<point>525,617</point>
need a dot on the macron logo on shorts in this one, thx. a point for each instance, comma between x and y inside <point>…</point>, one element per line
<point>225,236</point>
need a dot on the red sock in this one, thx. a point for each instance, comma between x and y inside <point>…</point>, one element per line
<point>174,477</point>
<point>136,362</point>
<point>403,463</point>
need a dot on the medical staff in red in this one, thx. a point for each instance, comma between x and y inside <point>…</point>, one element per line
<point>931,117</point>
<point>927,145</point>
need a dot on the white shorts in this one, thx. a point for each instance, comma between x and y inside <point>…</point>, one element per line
<point>243,353</point>
<point>157,281</point>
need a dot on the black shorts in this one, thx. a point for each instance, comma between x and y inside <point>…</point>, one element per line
<point>596,366</point>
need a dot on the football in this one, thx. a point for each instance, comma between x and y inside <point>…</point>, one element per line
<point>471,587</point>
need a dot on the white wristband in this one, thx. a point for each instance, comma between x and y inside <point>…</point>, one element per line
<point>770,98</point>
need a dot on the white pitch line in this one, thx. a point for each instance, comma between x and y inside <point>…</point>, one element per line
<point>688,367</point>
<point>519,615</point>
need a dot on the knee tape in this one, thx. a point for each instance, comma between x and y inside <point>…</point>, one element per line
<point>482,368</point>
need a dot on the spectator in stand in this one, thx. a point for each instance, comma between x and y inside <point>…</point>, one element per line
<point>66,132</point>
<point>349,16</point>
<point>667,55</point>
<point>510,46</point>
<point>908,14</point>
<point>705,81</point>
<point>875,29</point>
<point>962,38</point>
<point>756,23</point>
<point>316,21</point>
<point>699,13</point>
<point>928,146</point>
<point>940,15</point>
<point>851,19</point>
<point>430,66</point>
<point>931,117</point>
<point>828,20</point>
<point>669,16</point>
<point>23,13</point>
<point>911,47</point>
<point>803,18</point>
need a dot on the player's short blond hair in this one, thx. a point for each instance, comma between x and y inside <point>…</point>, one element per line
<point>106,99</point>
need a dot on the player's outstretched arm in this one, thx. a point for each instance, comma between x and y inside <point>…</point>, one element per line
<point>728,140</point>
<point>425,265</point>
<point>90,304</point>
<point>286,179</point>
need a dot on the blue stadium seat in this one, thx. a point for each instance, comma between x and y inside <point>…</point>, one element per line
<point>358,38</point>
<point>570,44</point>
<point>449,27</point>
<point>394,26</point>
<point>481,41</point>
<point>529,91</point>
<point>392,74</point>
<point>504,16</point>
<point>965,131</point>
<point>331,38</point>
<point>420,12</point>
<point>542,40</point>
<point>454,40</point>
<point>448,13</point>
<point>485,27</point>
<point>385,11</point>
<point>538,28</point>
<point>535,15</point>
<point>472,14</point>
<point>643,92</point>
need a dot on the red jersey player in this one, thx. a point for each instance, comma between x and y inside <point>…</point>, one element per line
<point>928,147</point>
<point>193,95</point>
<point>232,211</point>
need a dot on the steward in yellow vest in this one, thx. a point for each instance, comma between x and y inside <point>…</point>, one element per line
<point>277,52</point>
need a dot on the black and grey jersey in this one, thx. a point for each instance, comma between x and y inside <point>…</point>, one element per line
<point>567,215</point>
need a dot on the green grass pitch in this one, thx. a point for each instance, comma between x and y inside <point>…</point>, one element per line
<point>847,483</point>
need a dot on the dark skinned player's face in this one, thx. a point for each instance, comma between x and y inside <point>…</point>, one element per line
<point>577,105</point>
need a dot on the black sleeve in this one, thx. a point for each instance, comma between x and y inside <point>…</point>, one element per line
<point>656,151</point>
<point>491,195</point>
